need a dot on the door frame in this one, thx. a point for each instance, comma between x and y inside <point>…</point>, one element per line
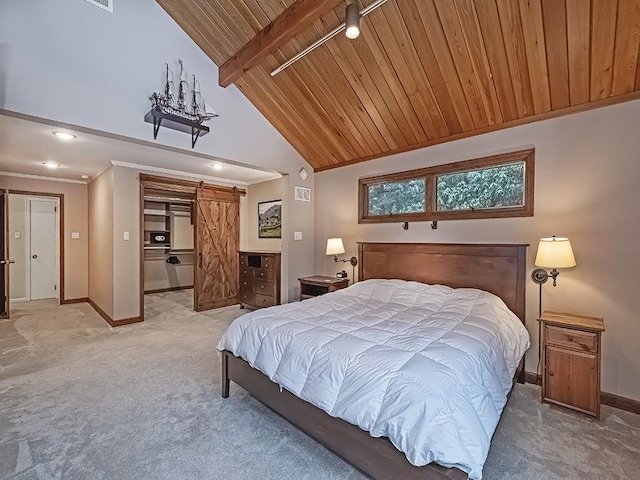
<point>28,238</point>
<point>172,185</point>
<point>60,197</point>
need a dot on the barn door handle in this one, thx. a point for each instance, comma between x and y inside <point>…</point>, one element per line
<point>34,256</point>
<point>200,257</point>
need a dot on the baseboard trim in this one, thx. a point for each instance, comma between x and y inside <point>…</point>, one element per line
<point>622,403</point>
<point>111,321</point>
<point>68,301</point>
<point>609,399</point>
<point>169,289</point>
<point>531,377</point>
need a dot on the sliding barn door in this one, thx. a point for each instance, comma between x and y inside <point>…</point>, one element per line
<point>217,218</point>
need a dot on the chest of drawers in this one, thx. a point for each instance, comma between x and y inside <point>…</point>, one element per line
<point>259,279</point>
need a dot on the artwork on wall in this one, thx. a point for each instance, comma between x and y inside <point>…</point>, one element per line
<point>270,219</point>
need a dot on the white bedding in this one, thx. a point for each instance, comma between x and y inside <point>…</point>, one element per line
<point>426,365</point>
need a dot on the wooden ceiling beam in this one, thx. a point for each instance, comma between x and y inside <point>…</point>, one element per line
<point>292,21</point>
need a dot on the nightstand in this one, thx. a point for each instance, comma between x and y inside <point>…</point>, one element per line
<point>571,353</point>
<point>317,285</point>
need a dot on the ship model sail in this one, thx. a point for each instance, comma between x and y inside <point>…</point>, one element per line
<point>198,111</point>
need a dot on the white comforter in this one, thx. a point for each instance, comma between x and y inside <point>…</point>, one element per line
<point>426,365</point>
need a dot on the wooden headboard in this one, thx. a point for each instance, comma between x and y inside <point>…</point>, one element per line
<point>499,269</point>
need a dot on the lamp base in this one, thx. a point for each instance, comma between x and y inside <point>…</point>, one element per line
<point>539,276</point>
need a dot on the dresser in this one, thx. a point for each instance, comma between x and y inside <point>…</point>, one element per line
<point>571,358</point>
<point>259,279</point>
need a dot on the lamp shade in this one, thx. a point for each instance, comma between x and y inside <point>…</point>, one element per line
<point>555,253</point>
<point>335,246</point>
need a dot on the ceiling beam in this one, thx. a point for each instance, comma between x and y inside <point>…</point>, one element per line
<point>292,21</point>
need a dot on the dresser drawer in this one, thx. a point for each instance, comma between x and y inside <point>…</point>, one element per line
<point>246,285</point>
<point>247,298</point>
<point>262,274</point>
<point>264,301</point>
<point>267,262</point>
<point>263,287</point>
<point>246,272</point>
<point>574,339</point>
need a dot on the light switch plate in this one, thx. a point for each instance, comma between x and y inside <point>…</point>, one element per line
<point>297,235</point>
<point>75,235</point>
<point>126,235</point>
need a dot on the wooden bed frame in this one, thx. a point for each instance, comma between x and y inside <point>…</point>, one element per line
<point>499,269</point>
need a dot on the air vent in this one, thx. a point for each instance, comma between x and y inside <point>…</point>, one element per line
<point>104,4</point>
<point>302,194</point>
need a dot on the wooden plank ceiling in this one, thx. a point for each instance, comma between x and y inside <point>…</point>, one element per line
<point>424,71</point>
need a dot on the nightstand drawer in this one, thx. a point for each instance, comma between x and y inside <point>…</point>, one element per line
<point>574,339</point>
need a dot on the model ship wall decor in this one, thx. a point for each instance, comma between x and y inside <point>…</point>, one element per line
<point>178,113</point>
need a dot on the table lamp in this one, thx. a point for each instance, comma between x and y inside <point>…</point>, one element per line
<point>335,247</point>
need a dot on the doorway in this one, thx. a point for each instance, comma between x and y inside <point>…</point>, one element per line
<point>35,245</point>
<point>194,227</point>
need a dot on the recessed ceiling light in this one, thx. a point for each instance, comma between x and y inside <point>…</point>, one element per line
<point>51,164</point>
<point>64,135</point>
<point>217,166</point>
<point>84,176</point>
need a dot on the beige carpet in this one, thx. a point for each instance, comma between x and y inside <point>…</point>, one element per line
<point>80,400</point>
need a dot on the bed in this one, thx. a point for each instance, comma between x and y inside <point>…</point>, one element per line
<point>382,355</point>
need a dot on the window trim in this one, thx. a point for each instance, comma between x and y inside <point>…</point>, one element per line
<point>430,174</point>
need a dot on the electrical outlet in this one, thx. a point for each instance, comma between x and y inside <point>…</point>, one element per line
<point>297,235</point>
<point>17,235</point>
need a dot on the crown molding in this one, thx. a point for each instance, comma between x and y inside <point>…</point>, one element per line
<point>42,177</point>
<point>180,174</point>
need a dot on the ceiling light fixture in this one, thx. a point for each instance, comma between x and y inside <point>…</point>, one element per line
<point>50,164</point>
<point>84,176</point>
<point>366,11</point>
<point>217,166</point>
<point>65,135</point>
<point>352,21</point>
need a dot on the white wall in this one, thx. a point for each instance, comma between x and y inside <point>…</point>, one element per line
<point>72,62</point>
<point>587,178</point>
<point>256,193</point>
<point>18,246</point>
<point>101,236</point>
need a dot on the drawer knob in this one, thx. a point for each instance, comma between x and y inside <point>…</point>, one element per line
<point>570,338</point>
<point>551,374</point>
<point>262,274</point>
<point>261,286</point>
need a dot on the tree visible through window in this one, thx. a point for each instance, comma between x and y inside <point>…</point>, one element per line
<point>496,186</point>
<point>397,197</point>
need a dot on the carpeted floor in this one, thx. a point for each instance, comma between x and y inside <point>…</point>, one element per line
<point>79,400</point>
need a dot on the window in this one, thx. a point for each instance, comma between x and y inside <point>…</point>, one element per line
<point>490,187</point>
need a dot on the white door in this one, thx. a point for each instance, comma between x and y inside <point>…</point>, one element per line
<point>43,249</point>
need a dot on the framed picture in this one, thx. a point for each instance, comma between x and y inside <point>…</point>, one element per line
<point>270,219</point>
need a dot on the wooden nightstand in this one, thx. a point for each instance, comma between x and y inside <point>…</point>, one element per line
<point>571,349</point>
<point>317,285</point>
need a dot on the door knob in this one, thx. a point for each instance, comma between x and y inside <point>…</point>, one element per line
<point>34,256</point>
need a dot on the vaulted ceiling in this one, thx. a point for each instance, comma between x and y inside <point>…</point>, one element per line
<point>422,71</point>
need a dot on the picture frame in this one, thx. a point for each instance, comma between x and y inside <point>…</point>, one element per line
<point>270,219</point>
